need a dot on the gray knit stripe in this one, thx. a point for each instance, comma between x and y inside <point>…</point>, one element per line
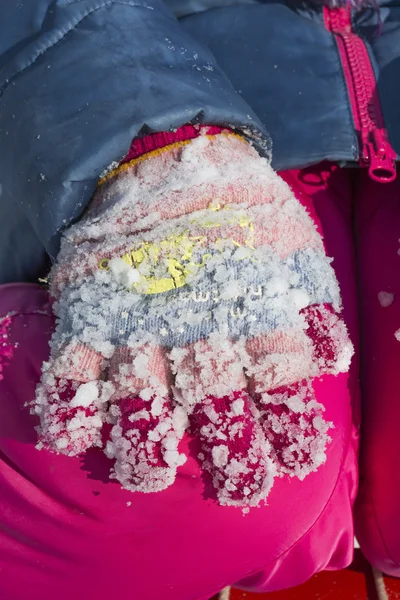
<point>117,319</point>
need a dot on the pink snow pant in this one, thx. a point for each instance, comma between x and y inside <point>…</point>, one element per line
<point>377,233</point>
<point>67,532</point>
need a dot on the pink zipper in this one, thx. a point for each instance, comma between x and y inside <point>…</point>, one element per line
<point>376,153</point>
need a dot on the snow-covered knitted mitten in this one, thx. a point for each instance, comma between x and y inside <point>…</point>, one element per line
<point>195,293</point>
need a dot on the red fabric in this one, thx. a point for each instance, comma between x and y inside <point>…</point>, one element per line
<point>67,531</point>
<point>155,141</point>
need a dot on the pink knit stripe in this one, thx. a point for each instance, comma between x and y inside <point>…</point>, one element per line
<point>155,141</point>
<point>189,200</point>
<point>130,385</point>
<point>182,202</point>
<point>84,364</point>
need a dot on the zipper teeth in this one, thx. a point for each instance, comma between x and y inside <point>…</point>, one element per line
<point>374,146</point>
<point>362,82</point>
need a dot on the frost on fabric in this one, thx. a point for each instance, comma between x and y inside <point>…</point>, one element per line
<point>195,296</point>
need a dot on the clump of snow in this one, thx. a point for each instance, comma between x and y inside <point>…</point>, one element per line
<point>124,274</point>
<point>220,455</point>
<point>85,395</point>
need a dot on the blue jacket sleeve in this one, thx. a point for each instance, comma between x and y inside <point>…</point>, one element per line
<point>78,80</point>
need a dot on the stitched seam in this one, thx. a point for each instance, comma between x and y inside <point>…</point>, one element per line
<point>71,27</point>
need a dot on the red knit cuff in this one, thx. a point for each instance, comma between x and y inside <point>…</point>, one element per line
<point>155,141</point>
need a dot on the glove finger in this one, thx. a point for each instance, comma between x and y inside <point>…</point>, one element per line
<point>282,365</point>
<point>148,428</point>
<point>71,401</point>
<point>293,422</point>
<point>212,388</point>
<point>279,358</point>
<point>332,348</point>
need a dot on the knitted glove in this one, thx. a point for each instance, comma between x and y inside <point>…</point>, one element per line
<point>195,293</point>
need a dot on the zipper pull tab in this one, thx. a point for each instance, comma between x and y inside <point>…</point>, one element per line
<point>381,157</point>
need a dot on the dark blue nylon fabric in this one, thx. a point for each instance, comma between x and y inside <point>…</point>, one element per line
<point>80,78</point>
<point>87,78</point>
<point>286,66</point>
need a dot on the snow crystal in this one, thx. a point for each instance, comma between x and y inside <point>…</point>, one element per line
<point>75,423</point>
<point>385,299</point>
<point>220,455</point>
<point>174,459</point>
<point>139,415</point>
<point>156,406</point>
<point>238,406</point>
<point>276,285</point>
<point>110,449</point>
<point>147,394</point>
<point>61,443</point>
<point>140,365</point>
<point>211,413</point>
<point>86,394</point>
<point>300,298</point>
<point>124,274</point>
<point>180,420</point>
